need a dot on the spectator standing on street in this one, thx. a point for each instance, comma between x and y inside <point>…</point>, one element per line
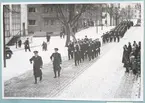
<point>19,43</point>
<point>48,38</point>
<point>129,48</point>
<point>56,59</point>
<point>16,43</point>
<point>37,65</point>
<point>44,46</point>
<point>27,45</point>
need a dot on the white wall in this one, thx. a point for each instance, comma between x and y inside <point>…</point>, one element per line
<point>24,16</point>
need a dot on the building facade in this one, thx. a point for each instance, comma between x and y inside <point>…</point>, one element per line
<point>15,20</point>
<point>43,18</point>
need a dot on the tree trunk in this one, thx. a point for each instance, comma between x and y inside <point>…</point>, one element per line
<point>110,20</point>
<point>69,32</point>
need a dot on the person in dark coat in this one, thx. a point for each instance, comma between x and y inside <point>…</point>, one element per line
<point>16,43</point>
<point>118,37</point>
<point>86,49</point>
<point>44,46</point>
<point>86,38</point>
<point>99,45</point>
<point>82,51</point>
<point>27,45</point>
<point>90,51</point>
<point>125,56</point>
<point>48,38</point>
<point>129,48</point>
<point>20,43</point>
<point>37,65</point>
<point>70,50</point>
<point>77,56</point>
<point>56,59</point>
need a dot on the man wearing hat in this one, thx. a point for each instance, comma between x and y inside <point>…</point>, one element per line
<point>56,59</point>
<point>27,45</point>
<point>37,64</point>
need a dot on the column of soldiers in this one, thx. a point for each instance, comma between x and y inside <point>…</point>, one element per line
<point>83,49</point>
<point>118,32</point>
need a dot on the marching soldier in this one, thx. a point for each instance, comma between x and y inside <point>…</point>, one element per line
<point>118,37</point>
<point>93,49</point>
<point>76,55</point>
<point>37,65</point>
<point>86,49</point>
<point>98,46</point>
<point>70,50</point>
<point>114,38</point>
<point>19,43</point>
<point>82,51</point>
<point>90,51</point>
<point>56,59</point>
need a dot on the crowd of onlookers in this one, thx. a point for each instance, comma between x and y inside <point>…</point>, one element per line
<point>132,57</point>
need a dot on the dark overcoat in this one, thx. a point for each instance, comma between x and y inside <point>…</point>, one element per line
<point>56,58</point>
<point>125,56</point>
<point>37,64</point>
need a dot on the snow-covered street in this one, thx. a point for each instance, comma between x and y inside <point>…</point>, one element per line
<point>101,79</point>
<point>104,78</point>
<point>19,63</point>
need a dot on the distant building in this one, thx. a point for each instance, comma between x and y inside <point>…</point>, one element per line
<point>42,19</point>
<point>133,11</point>
<point>15,19</point>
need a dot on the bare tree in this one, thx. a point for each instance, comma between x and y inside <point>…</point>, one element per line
<point>70,18</point>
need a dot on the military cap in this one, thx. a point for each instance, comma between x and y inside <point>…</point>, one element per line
<point>56,49</point>
<point>35,52</point>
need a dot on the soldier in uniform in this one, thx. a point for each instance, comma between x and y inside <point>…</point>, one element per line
<point>37,64</point>
<point>82,51</point>
<point>19,43</point>
<point>90,51</point>
<point>86,49</point>
<point>48,38</point>
<point>99,44</point>
<point>27,45</point>
<point>86,38</point>
<point>56,59</point>
<point>118,37</point>
<point>114,37</point>
<point>70,50</point>
<point>94,49</point>
<point>76,55</point>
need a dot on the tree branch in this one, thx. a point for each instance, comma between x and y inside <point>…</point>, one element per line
<point>60,14</point>
<point>83,9</point>
<point>57,14</point>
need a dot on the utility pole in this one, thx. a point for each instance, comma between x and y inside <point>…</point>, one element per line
<point>4,45</point>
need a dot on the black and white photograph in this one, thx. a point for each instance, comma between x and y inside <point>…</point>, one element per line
<point>73,51</point>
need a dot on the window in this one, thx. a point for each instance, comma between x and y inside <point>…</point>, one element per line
<point>46,22</point>
<point>32,22</point>
<point>32,9</point>
<point>46,9</point>
<point>51,9</point>
<point>52,22</point>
